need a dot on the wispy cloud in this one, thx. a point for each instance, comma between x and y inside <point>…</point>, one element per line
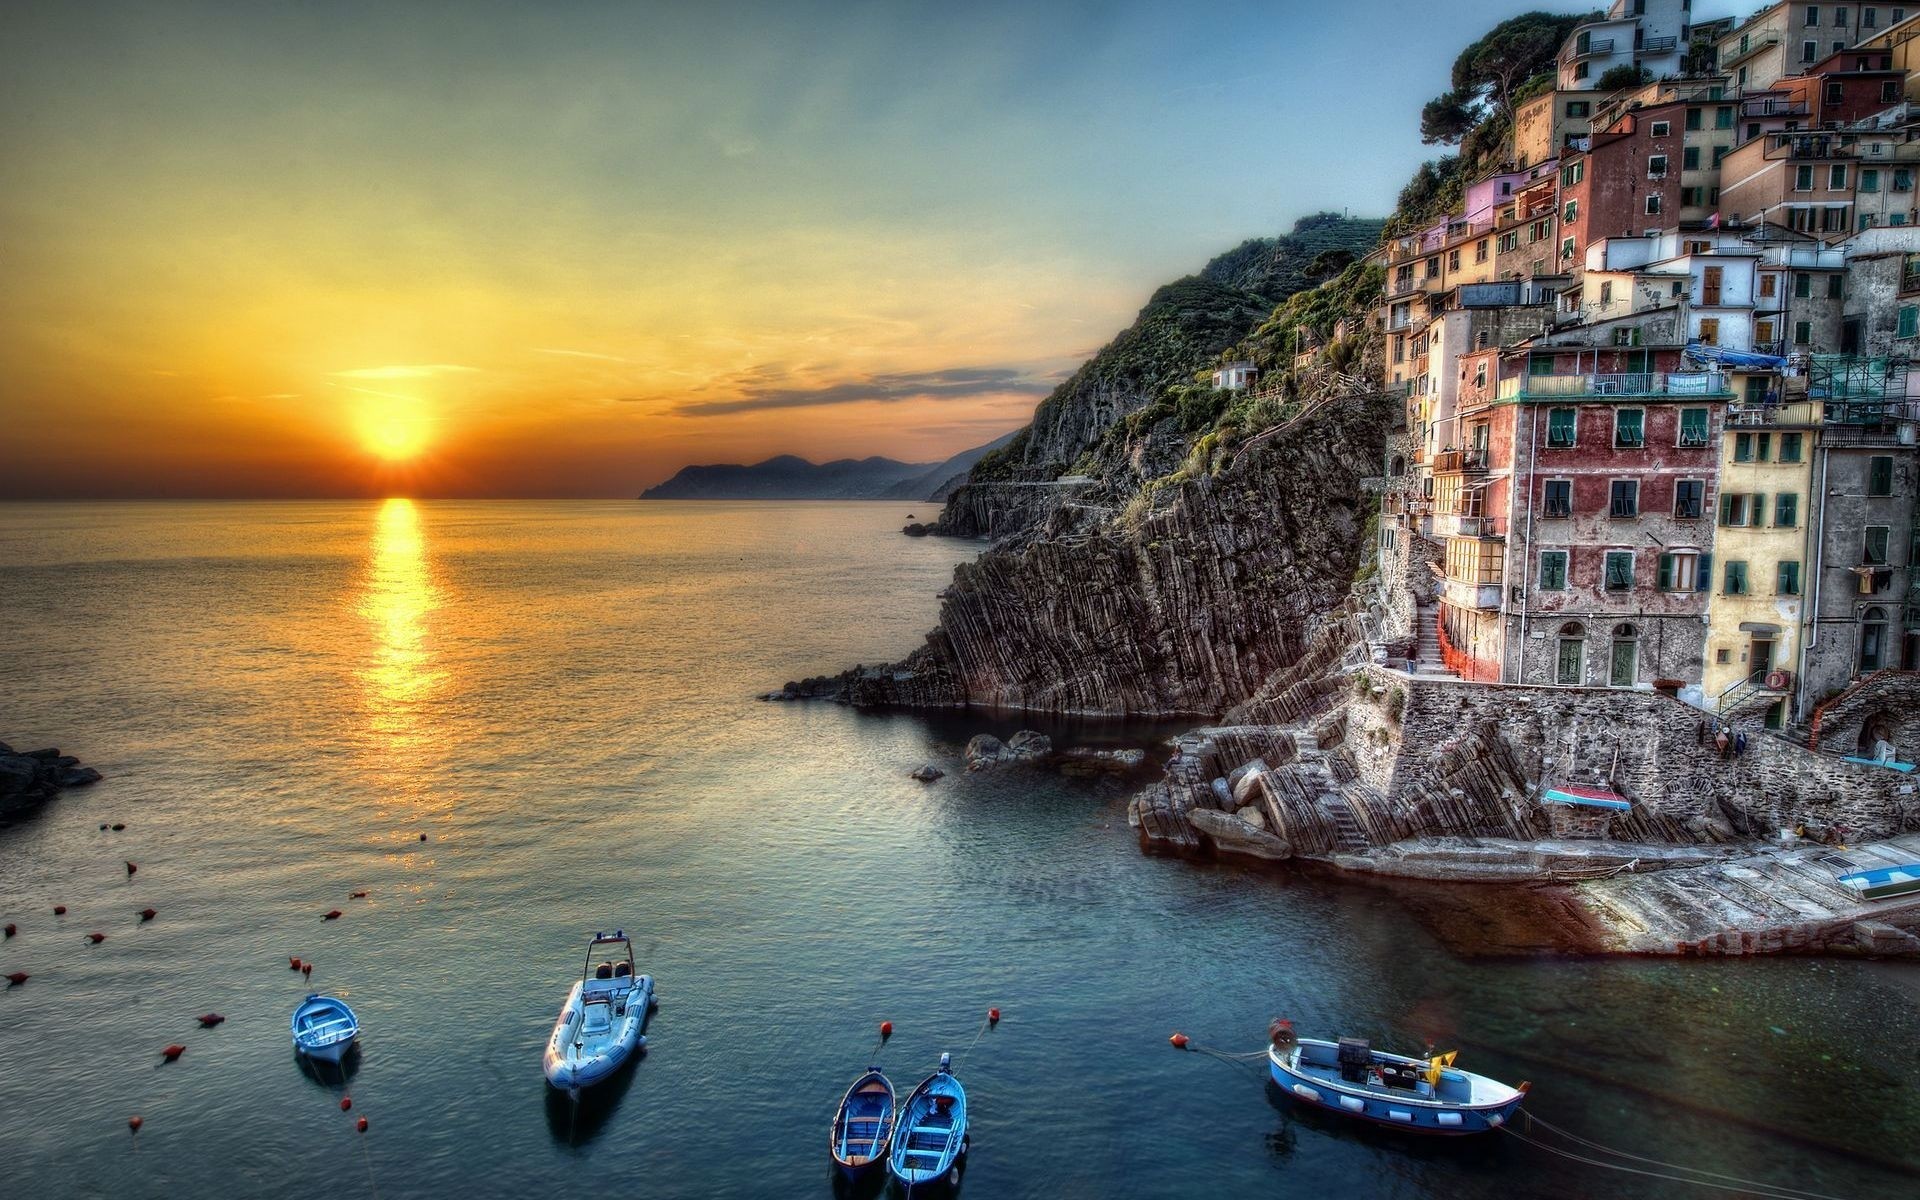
<point>755,392</point>
<point>578,354</point>
<point>406,371</point>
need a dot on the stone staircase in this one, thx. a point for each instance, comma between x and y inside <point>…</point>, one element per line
<point>1427,660</point>
<point>1348,836</point>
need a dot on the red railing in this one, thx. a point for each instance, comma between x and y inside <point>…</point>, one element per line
<point>1453,658</point>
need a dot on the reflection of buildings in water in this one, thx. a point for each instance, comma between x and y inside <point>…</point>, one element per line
<point>398,598</point>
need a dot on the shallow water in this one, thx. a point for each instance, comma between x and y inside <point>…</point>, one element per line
<point>284,697</point>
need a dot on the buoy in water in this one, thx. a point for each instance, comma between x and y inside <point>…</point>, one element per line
<point>357,896</point>
<point>293,964</point>
<point>134,1124</point>
<point>10,929</point>
<point>346,1102</point>
<point>306,970</point>
<point>172,1052</point>
<point>993,1016</point>
<point>886,1029</point>
<point>96,938</point>
<point>148,914</point>
<point>333,914</point>
<point>103,827</point>
<point>17,978</point>
<point>361,1125</point>
<point>132,867</point>
<point>209,1020</point>
<point>119,825</point>
<point>1179,1041</point>
<point>59,910</point>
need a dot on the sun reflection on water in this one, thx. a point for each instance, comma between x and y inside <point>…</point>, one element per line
<point>398,602</point>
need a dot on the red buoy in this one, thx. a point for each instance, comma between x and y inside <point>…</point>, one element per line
<point>293,964</point>
<point>96,938</point>
<point>148,914</point>
<point>361,1125</point>
<point>346,1102</point>
<point>209,1020</point>
<point>17,978</point>
<point>886,1030</point>
<point>1179,1041</point>
<point>993,1016</point>
<point>358,896</point>
<point>333,914</point>
<point>172,1052</point>
<point>59,910</point>
<point>10,929</point>
<point>306,970</point>
<point>132,867</point>
<point>134,1124</point>
<point>119,825</point>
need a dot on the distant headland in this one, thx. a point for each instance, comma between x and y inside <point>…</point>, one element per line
<point>788,477</point>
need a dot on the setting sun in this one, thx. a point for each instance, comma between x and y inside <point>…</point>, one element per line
<point>395,431</point>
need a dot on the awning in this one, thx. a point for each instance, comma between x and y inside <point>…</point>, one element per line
<point>1589,798</point>
<point>1735,358</point>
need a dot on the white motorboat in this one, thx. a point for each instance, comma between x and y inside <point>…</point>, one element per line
<point>603,1022</point>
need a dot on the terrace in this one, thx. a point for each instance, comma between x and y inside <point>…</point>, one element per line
<point>1678,385</point>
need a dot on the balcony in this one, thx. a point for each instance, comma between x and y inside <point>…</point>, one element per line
<point>1460,462</point>
<point>1774,106</point>
<point>1654,384</point>
<point>1750,44</point>
<point>1592,48</point>
<point>1475,574</point>
<point>1658,45</point>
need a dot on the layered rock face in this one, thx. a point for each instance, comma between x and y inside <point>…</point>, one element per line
<point>31,778</point>
<point>1183,605</point>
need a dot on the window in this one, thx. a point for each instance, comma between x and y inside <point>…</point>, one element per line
<point>1573,173</point>
<point>1869,18</point>
<point>1813,15</point>
<point>1693,118</point>
<point>1803,333</point>
<point>1723,117</point>
<point>1662,129</point>
<point>1689,498</point>
<point>1561,428</point>
<point>1742,447</point>
<point>1618,574</point>
<point>1809,51</point>
<point>1657,165</point>
<point>1480,250</point>
<point>1834,287</point>
<point>1693,426</point>
<point>1453,260</point>
<point>1889,91</point>
<point>1572,653</point>
<point>1762,446</point>
<point>1739,509</point>
<point>1579,108</point>
<point>1678,571</point>
<point>1909,321</point>
<point>1566,246</point>
<point>1569,215</point>
<point>1874,550</point>
<point>1690,197</point>
<point>1786,510</point>
<point>1873,638</point>
<point>1788,581</point>
<point>1769,286</point>
<point>1735,578</point>
<point>1625,652</point>
<point>1903,179</point>
<point>1834,92</point>
<point>1803,178</point>
<point>1710,330</point>
<point>1869,179</point>
<point>1690,159</point>
<point>1629,427</point>
<point>1553,570</point>
<point>1624,499</point>
<point>1802,285</point>
<point>1790,444</point>
<point>1653,204</point>
<point>1557,498</point>
<point>1880,475</point>
<point>1837,176</point>
<point>1606,295</point>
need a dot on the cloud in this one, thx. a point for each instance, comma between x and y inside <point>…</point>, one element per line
<point>579,354</point>
<point>951,383</point>
<point>421,371</point>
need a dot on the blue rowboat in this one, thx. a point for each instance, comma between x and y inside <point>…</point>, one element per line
<point>1880,883</point>
<point>1415,1094</point>
<point>324,1028</point>
<point>931,1138</point>
<point>863,1128</point>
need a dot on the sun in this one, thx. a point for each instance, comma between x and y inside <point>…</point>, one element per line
<point>396,430</point>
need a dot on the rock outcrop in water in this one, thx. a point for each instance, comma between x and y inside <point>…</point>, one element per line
<point>31,778</point>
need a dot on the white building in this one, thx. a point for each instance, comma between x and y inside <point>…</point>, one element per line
<point>1235,376</point>
<point>1651,34</point>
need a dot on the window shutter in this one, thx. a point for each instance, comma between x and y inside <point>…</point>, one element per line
<point>1666,573</point>
<point>1703,577</point>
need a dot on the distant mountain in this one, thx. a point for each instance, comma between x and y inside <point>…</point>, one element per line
<point>936,483</point>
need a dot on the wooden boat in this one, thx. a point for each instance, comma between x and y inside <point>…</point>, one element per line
<point>601,1024</point>
<point>863,1128</point>
<point>324,1028</point>
<point>1416,1094</point>
<point>931,1137</point>
<point>1881,883</point>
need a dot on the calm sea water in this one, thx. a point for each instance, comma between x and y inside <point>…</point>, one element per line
<point>285,697</point>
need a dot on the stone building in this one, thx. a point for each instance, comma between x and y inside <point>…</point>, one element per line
<point>1788,39</point>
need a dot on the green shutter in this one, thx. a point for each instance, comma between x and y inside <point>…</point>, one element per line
<point>1665,581</point>
<point>1703,577</point>
<point>1786,510</point>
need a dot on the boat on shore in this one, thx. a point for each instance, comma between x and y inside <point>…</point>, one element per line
<point>1419,1095</point>
<point>601,1023</point>
<point>324,1028</point>
<point>930,1141</point>
<point>863,1127</point>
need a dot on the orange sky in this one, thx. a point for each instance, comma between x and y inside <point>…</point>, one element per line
<point>260,249</point>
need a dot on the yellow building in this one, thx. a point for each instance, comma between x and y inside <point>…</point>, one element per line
<point>1760,572</point>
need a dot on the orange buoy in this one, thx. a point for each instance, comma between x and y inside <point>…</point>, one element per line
<point>209,1020</point>
<point>17,978</point>
<point>132,867</point>
<point>96,938</point>
<point>148,914</point>
<point>134,1124</point>
<point>346,1102</point>
<point>59,910</point>
<point>1179,1041</point>
<point>993,1016</point>
<point>361,1125</point>
<point>333,914</point>
<point>172,1052</point>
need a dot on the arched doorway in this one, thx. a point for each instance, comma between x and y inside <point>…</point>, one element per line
<point>1623,661</point>
<point>1569,665</point>
<point>1873,639</point>
<point>1397,467</point>
<point>1876,736</point>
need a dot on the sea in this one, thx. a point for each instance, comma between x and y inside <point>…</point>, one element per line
<point>512,725</point>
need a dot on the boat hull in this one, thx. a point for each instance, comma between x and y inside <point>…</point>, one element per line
<point>1437,1118</point>
<point>324,1029</point>
<point>930,1138</point>
<point>577,1057</point>
<point>862,1135</point>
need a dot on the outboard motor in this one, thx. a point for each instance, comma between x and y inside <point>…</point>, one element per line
<point>1356,1057</point>
<point>946,1061</point>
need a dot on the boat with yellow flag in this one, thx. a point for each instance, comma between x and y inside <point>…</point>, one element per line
<point>1421,1095</point>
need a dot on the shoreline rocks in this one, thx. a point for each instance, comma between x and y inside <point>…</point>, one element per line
<point>28,779</point>
<point>985,751</point>
<point>926,773</point>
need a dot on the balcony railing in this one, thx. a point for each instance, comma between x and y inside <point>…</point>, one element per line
<point>1773,106</point>
<point>1462,461</point>
<point>1594,46</point>
<point>1609,386</point>
<point>1658,45</point>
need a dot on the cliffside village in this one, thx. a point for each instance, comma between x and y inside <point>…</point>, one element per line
<point>1661,423</point>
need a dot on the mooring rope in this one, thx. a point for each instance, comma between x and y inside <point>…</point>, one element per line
<point>1768,1191</point>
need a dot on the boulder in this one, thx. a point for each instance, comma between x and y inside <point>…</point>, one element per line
<point>927,773</point>
<point>1247,787</point>
<point>1222,793</point>
<point>985,751</point>
<point>1253,815</point>
<point>1029,744</point>
<point>1245,769</point>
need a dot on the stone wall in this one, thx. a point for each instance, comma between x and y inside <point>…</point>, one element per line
<point>1884,702</point>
